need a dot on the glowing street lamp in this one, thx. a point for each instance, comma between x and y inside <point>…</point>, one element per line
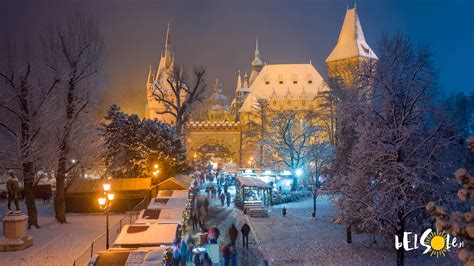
<point>106,187</point>
<point>155,166</point>
<point>105,202</point>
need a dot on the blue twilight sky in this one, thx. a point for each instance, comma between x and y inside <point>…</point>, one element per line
<point>220,35</point>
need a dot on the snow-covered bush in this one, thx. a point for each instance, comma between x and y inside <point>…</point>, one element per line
<point>133,145</point>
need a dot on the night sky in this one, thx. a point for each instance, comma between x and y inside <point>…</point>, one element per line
<point>220,35</point>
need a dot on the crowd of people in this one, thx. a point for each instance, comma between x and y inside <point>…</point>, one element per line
<point>202,248</point>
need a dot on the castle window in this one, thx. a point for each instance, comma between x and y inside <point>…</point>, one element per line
<point>267,82</point>
<point>274,102</point>
<point>295,82</point>
<point>310,82</point>
<point>281,81</point>
<point>303,102</point>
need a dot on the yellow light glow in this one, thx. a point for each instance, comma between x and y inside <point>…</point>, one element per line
<point>111,196</point>
<point>102,201</point>
<point>155,166</point>
<point>106,187</point>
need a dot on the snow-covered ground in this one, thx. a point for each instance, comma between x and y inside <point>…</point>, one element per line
<point>54,243</point>
<point>299,239</point>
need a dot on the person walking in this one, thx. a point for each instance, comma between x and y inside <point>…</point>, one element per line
<point>233,234</point>
<point>245,230</point>
<point>183,252</point>
<point>195,221</point>
<point>176,255</point>
<point>13,188</point>
<point>226,187</point>
<point>222,199</point>
<point>228,199</point>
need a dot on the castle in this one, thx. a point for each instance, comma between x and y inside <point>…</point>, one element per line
<point>282,86</point>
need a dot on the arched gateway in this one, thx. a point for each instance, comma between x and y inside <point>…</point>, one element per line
<point>218,140</point>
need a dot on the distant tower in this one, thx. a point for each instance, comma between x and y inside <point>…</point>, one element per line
<point>165,67</point>
<point>257,64</point>
<point>351,48</point>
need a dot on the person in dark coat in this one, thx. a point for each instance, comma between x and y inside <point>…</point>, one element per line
<point>228,199</point>
<point>233,234</point>
<point>222,199</point>
<point>226,187</point>
<point>245,230</point>
<point>195,222</point>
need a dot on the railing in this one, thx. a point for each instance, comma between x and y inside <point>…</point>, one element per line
<point>99,243</point>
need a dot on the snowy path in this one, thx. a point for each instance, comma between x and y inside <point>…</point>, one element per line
<point>54,243</point>
<point>299,239</point>
<point>223,217</point>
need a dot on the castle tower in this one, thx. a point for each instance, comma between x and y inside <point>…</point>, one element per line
<point>257,64</point>
<point>351,48</point>
<point>155,109</point>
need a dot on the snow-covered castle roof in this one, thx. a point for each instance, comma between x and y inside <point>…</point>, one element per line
<point>351,41</point>
<point>276,80</point>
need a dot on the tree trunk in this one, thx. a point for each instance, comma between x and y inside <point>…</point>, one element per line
<point>348,234</point>
<point>179,125</point>
<point>28,179</point>
<point>60,200</point>
<point>401,251</point>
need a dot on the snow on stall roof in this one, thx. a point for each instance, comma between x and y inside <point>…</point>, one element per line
<point>147,235</point>
<point>248,181</point>
<point>80,185</point>
<point>163,216</point>
<point>172,194</point>
<point>167,203</point>
<point>351,41</point>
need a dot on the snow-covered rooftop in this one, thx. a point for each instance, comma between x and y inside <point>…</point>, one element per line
<point>276,80</point>
<point>146,235</point>
<point>351,41</point>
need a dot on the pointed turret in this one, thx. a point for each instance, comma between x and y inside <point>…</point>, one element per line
<point>246,80</point>
<point>150,77</point>
<point>257,64</point>
<point>351,48</point>
<point>168,41</point>
<point>239,81</point>
<point>351,42</point>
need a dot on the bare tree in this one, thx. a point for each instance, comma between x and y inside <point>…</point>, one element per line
<point>179,98</point>
<point>292,135</point>
<point>256,129</point>
<point>22,104</point>
<point>73,53</point>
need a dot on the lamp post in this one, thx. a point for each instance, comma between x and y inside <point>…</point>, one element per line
<point>156,171</point>
<point>105,202</point>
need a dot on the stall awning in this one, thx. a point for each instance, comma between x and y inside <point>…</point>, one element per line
<point>147,235</point>
<point>248,181</point>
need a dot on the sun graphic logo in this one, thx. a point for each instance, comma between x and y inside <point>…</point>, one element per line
<point>438,243</point>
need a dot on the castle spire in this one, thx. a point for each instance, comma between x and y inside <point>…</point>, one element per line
<point>168,40</point>
<point>149,80</point>
<point>239,81</point>
<point>257,52</point>
<point>257,64</point>
<point>351,42</point>
<point>246,80</point>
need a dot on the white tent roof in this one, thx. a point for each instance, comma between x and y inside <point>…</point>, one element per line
<point>147,235</point>
<point>351,41</point>
<point>146,256</point>
<point>165,203</point>
<point>172,194</point>
<point>164,216</point>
